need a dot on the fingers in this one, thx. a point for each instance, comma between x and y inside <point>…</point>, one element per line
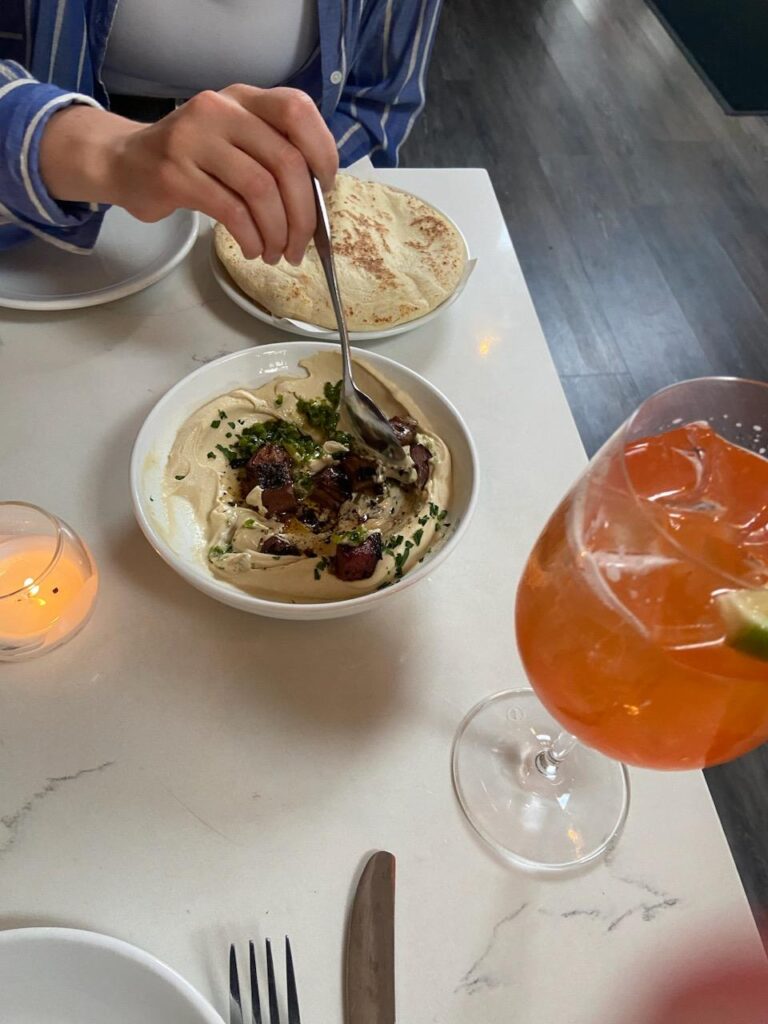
<point>217,200</point>
<point>290,169</point>
<point>294,115</point>
<point>241,156</point>
<point>267,153</point>
<point>257,190</point>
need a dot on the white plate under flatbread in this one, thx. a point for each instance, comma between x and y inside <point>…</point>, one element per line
<point>397,259</point>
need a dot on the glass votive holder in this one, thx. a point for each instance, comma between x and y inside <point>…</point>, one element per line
<point>48,581</point>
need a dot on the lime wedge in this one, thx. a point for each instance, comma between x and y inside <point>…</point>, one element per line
<point>745,613</point>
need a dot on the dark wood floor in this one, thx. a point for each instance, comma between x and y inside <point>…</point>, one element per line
<point>639,212</point>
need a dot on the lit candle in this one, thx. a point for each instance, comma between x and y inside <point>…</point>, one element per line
<point>48,584</point>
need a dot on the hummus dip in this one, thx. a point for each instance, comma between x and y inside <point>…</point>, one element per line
<point>291,507</point>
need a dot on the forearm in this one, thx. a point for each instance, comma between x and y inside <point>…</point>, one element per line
<point>240,156</point>
<point>26,109</point>
<point>80,154</point>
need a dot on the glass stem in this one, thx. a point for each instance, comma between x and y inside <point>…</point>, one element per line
<point>550,758</point>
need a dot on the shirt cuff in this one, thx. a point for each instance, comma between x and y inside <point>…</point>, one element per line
<point>24,113</point>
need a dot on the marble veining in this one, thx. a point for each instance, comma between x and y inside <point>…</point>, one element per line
<point>477,977</point>
<point>647,909</point>
<point>480,977</point>
<point>197,817</point>
<point>12,822</point>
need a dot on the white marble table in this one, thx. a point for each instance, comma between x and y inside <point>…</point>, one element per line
<point>182,774</point>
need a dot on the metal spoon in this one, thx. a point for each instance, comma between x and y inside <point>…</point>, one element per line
<point>369,423</point>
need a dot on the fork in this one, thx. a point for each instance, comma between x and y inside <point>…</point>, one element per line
<point>235,1003</point>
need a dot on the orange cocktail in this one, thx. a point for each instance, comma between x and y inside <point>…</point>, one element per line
<point>618,619</point>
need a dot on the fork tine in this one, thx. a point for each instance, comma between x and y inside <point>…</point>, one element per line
<point>235,1006</point>
<point>274,1012</point>
<point>293,998</point>
<point>255,1000</point>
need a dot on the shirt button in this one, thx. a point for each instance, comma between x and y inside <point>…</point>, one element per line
<point>336,77</point>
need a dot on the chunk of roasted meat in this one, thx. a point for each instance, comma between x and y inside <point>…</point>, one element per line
<point>405,429</point>
<point>358,561</point>
<point>279,501</point>
<point>331,488</point>
<point>270,469</point>
<point>360,470</point>
<point>275,545</point>
<point>421,457</point>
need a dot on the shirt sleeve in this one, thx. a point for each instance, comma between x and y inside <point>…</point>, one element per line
<point>384,90</point>
<point>25,204</point>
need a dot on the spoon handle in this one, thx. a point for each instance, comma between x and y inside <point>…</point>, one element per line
<point>325,252</point>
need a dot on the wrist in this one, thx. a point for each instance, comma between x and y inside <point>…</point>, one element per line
<point>98,139</point>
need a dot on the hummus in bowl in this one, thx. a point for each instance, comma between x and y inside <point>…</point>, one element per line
<point>247,482</point>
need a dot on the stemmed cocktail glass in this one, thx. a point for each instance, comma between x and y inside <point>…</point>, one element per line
<point>642,623</point>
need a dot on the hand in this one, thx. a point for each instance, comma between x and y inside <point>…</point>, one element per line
<point>241,156</point>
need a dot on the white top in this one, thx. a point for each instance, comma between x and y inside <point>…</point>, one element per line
<point>175,48</point>
<point>184,775</point>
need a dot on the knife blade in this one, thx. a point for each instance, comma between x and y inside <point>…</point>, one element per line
<point>369,975</point>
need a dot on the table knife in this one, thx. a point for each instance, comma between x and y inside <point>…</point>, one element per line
<point>369,974</point>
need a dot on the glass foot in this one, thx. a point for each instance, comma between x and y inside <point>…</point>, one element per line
<point>536,818</point>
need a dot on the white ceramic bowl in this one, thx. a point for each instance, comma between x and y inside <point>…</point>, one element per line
<point>181,545</point>
<point>66,976</point>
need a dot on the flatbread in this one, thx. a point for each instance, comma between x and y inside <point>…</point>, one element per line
<point>396,258</point>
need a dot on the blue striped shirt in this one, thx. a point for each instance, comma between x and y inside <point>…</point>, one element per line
<point>367,77</point>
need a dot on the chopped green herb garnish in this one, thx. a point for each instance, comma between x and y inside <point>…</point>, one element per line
<point>215,424</point>
<point>393,542</point>
<point>249,523</point>
<point>300,446</point>
<point>222,414</point>
<point>321,565</point>
<point>332,392</point>
<point>303,484</point>
<point>323,413</point>
<point>417,537</point>
<point>181,477</point>
<point>402,558</point>
<point>423,520</point>
<point>228,434</point>
<point>211,455</point>
<point>217,552</point>
<point>228,453</point>
<point>351,537</point>
<point>437,514</point>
